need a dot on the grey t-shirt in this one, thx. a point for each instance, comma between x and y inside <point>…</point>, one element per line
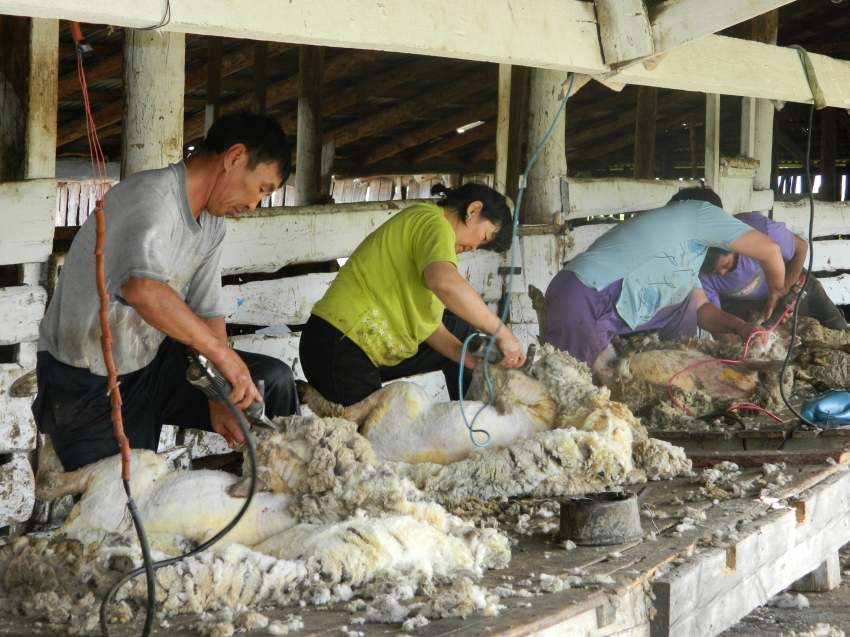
<point>150,234</point>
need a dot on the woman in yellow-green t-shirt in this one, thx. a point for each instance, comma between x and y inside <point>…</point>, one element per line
<point>383,316</point>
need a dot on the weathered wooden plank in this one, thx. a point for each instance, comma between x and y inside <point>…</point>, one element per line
<point>624,30</point>
<point>759,458</point>
<point>771,72</point>
<point>40,142</point>
<point>825,577</point>
<point>586,197</point>
<point>17,490</point>
<point>831,217</point>
<point>21,310</point>
<point>270,238</point>
<point>289,301</point>
<point>831,256</point>
<point>564,32</point>
<point>675,22</point>
<point>311,74</point>
<point>17,427</point>
<point>27,216</point>
<point>838,288</point>
<point>584,236</point>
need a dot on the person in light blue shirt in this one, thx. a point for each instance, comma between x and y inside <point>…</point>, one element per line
<point>644,274</point>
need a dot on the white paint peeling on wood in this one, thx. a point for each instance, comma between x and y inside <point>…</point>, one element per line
<point>17,490</point>
<point>838,288</point>
<point>588,197</point>
<point>624,30</point>
<point>831,217</point>
<point>830,256</point>
<point>21,310</point>
<point>17,427</point>
<point>271,238</point>
<point>27,215</point>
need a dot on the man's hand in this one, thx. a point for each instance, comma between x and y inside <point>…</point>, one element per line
<point>236,372</point>
<point>225,424</point>
<point>512,349</point>
<point>745,330</point>
<point>773,298</point>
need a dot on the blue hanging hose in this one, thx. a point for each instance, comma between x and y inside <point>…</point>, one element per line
<point>506,309</point>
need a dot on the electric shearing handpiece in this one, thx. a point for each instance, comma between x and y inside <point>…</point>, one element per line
<point>478,348</point>
<point>203,375</point>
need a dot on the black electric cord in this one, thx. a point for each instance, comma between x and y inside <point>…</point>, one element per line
<point>796,313</point>
<point>150,566</point>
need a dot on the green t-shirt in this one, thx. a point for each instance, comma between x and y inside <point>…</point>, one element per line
<point>379,298</point>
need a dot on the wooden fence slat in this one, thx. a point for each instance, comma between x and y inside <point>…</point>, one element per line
<point>17,427</point>
<point>838,288</point>
<point>27,216</point>
<point>831,217</point>
<point>21,310</point>
<point>585,197</point>
<point>268,239</point>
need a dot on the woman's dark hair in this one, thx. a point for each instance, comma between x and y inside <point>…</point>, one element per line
<point>712,256</point>
<point>495,209</point>
<point>697,193</point>
<point>263,137</point>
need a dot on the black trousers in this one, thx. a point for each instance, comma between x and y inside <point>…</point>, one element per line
<point>341,372</point>
<point>73,406</point>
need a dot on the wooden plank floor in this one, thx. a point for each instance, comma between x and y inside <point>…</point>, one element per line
<point>710,584</point>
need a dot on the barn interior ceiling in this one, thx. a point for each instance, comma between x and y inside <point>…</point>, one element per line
<point>393,113</point>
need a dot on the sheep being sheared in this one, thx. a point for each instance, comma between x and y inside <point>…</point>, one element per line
<point>596,443</point>
<point>403,424</point>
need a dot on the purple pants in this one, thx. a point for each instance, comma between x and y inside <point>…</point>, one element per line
<point>582,321</point>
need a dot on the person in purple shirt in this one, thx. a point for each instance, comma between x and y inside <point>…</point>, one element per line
<point>737,284</point>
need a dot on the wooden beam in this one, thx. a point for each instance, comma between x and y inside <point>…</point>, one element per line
<point>503,121</point>
<point>286,89</point>
<point>646,114</point>
<point>311,84</point>
<point>152,128</point>
<point>712,140</point>
<point>624,30</point>
<point>105,69</point>
<point>518,123</point>
<point>27,216</point>
<point>482,112</point>
<point>261,59</point>
<point>458,140</point>
<point>564,31</point>
<point>543,199</point>
<point>411,109</point>
<point>14,65</point>
<point>675,22</point>
<point>40,115</point>
<point>213,96</point>
<point>355,94</point>
<point>828,144</point>
<point>759,113</point>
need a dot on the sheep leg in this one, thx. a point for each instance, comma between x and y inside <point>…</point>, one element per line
<point>53,482</point>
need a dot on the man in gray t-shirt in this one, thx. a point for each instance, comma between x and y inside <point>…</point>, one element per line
<point>164,235</point>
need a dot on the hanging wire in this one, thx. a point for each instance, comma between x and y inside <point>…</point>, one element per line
<point>492,339</point>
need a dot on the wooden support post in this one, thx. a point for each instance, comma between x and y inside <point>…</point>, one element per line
<point>758,128</point>
<point>261,59</point>
<point>667,165</point>
<point>647,110</point>
<point>518,120</point>
<point>825,577</point>
<point>14,66</point>
<point>213,81</point>
<point>154,77</point>
<point>692,130</point>
<point>828,142</point>
<point>712,140</point>
<point>455,181</point>
<point>543,198</point>
<point>328,150</point>
<point>40,143</point>
<point>309,137</point>
<point>503,124</point>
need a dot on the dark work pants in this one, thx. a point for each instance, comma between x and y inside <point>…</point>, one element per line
<point>73,406</point>
<point>341,372</point>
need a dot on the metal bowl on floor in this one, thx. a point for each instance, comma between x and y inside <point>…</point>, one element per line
<point>601,519</point>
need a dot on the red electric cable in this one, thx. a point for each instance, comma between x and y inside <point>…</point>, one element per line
<point>98,163</point>
<point>734,362</point>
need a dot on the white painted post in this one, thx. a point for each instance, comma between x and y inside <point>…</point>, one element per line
<point>154,78</point>
<point>503,121</point>
<point>542,198</point>
<point>748,126</point>
<point>712,140</point>
<point>328,150</point>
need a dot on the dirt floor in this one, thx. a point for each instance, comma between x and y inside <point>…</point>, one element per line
<point>831,608</point>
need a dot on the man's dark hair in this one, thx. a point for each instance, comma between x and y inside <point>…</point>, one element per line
<point>262,136</point>
<point>712,256</point>
<point>495,209</point>
<point>697,193</point>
